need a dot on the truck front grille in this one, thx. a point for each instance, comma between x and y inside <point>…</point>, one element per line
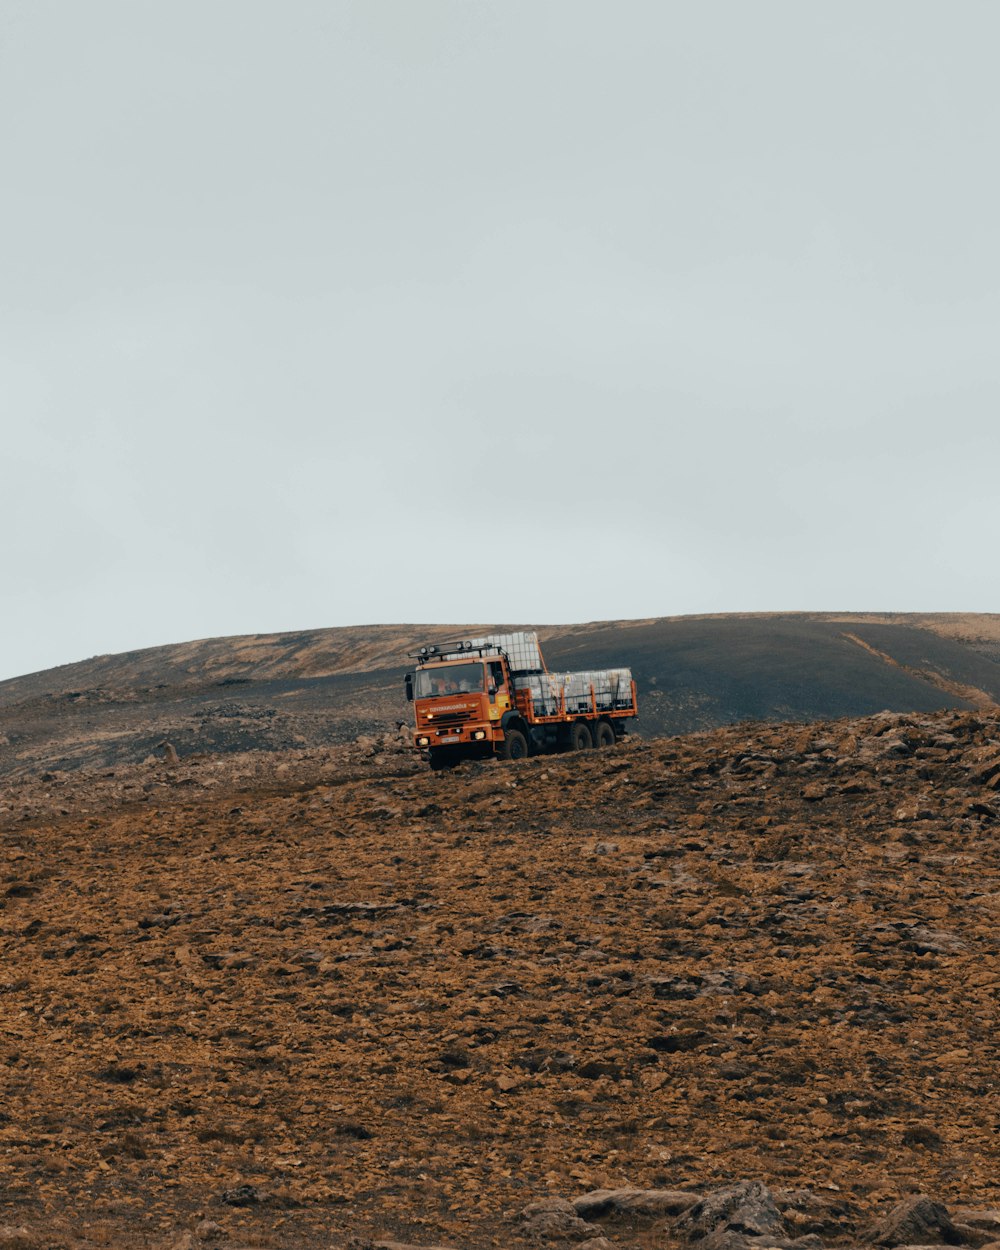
<point>449,718</point>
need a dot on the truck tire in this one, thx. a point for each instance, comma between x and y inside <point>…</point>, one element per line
<point>604,735</point>
<point>579,737</point>
<point>515,745</point>
<point>441,758</point>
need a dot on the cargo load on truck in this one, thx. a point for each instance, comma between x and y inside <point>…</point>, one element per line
<point>492,695</point>
<point>610,689</point>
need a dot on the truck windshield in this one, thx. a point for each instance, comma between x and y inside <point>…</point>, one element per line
<point>455,679</point>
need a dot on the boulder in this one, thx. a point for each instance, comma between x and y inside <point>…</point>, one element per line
<point>555,1219</point>
<point>917,1221</point>
<point>747,1209</point>
<point>406,1245</point>
<point>725,1239</point>
<point>651,1204</point>
<point>985,1220</point>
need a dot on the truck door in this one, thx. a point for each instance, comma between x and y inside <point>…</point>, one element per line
<point>499,691</point>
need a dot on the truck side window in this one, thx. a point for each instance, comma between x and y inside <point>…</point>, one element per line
<point>496,672</point>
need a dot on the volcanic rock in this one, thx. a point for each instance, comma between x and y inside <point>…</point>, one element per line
<point>17,1237</point>
<point>746,1209</point>
<point>986,1221</point>
<point>917,1221</point>
<point>636,1203</point>
<point>554,1219</point>
<point>407,1245</point>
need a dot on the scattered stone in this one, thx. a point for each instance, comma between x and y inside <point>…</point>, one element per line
<point>169,753</point>
<point>985,765</point>
<point>593,1069</point>
<point>815,792</point>
<point>18,1237</point>
<point>185,1241</point>
<point>680,1042</point>
<point>911,811</point>
<point>242,1196</point>
<point>546,1059</point>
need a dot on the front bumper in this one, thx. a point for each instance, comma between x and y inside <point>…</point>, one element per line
<point>450,735</point>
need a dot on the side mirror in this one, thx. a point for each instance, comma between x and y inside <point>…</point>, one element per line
<point>408,682</point>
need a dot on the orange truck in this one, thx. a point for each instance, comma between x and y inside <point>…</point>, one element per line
<point>493,695</point>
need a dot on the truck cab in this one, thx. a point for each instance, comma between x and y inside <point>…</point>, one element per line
<point>461,703</point>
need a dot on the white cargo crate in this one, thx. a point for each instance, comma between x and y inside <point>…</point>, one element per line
<point>544,692</point>
<point>521,648</point>
<point>621,686</point>
<point>606,689</point>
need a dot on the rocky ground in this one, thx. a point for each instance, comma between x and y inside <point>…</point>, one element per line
<point>735,989</point>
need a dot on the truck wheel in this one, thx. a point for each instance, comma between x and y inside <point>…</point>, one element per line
<point>604,735</point>
<point>579,737</point>
<point>515,745</point>
<point>441,758</point>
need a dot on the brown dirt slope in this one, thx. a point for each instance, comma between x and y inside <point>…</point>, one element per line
<point>326,996</point>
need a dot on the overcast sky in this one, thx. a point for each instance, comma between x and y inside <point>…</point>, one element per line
<point>324,313</point>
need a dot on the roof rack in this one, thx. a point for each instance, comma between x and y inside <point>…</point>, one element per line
<point>441,650</point>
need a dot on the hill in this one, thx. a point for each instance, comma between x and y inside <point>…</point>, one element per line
<point>732,989</point>
<point>324,687</point>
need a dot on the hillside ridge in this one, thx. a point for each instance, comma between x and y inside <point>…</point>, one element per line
<point>335,650</point>
<point>327,686</point>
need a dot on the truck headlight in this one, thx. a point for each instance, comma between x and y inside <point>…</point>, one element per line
<point>478,735</point>
<point>423,742</point>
